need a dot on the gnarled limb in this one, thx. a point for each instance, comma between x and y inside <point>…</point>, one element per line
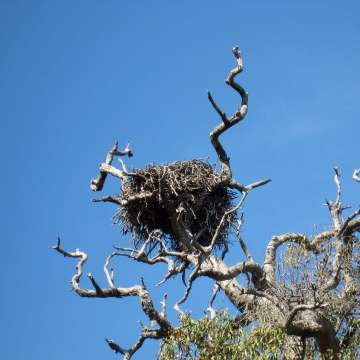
<point>128,353</point>
<point>343,232</point>
<point>276,241</point>
<point>137,290</point>
<point>226,121</point>
<point>216,269</point>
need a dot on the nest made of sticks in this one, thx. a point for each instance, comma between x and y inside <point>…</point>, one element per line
<point>190,188</point>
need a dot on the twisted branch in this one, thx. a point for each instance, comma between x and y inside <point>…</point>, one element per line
<point>227,122</point>
<point>136,290</point>
<point>276,241</point>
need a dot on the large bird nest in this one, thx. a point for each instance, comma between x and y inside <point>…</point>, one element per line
<point>190,189</point>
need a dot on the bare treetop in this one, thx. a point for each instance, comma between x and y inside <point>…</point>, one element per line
<point>182,214</point>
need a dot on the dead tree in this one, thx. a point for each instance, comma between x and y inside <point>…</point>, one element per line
<point>181,214</point>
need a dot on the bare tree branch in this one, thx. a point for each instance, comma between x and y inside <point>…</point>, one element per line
<point>257,184</point>
<point>229,122</point>
<point>335,208</point>
<point>136,290</point>
<point>128,353</point>
<point>243,245</point>
<point>108,198</point>
<point>227,213</point>
<point>192,278</point>
<point>216,269</point>
<point>109,277</point>
<point>98,183</point>
<point>276,241</point>
<point>343,231</point>
<point>163,256</point>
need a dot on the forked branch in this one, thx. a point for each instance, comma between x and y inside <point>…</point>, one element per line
<point>116,292</point>
<point>128,353</point>
<point>228,122</point>
<point>106,168</point>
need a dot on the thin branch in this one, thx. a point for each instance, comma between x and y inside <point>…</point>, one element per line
<point>338,184</point>
<point>243,245</point>
<point>257,184</point>
<point>109,276</point>
<point>125,170</point>
<point>128,353</point>
<point>79,268</point>
<point>217,109</point>
<point>209,248</point>
<point>108,198</point>
<point>174,271</point>
<point>115,347</point>
<point>210,309</point>
<point>191,279</point>
<point>123,202</point>
<point>215,291</point>
<point>95,285</point>
<point>163,256</point>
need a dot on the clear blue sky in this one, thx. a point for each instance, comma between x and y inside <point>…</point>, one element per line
<point>78,75</point>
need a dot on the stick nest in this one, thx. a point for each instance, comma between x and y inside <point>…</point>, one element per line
<point>187,191</point>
